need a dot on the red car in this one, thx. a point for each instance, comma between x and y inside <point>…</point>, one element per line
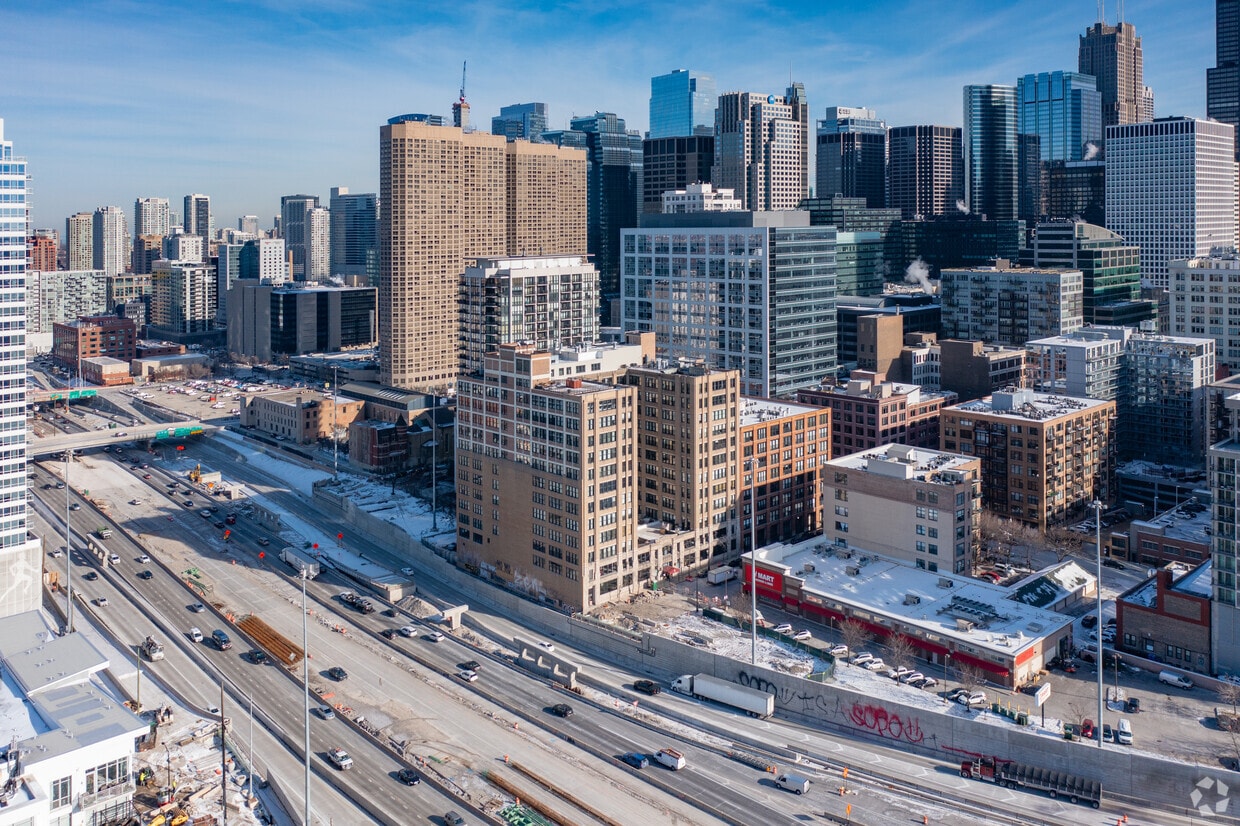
<point>1087,729</point>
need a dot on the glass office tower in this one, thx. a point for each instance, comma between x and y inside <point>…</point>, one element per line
<point>682,103</point>
<point>1064,109</point>
<point>990,151</point>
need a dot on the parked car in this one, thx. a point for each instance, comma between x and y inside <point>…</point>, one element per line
<point>972,698</point>
<point>927,682</point>
<point>783,628</point>
<point>1087,729</point>
<point>876,664</point>
<point>1089,620</point>
<point>1132,705</point>
<point>1108,734</point>
<point>802,635</point>
<point>862,658</point>
<point>912,676</point>
<point>838,651</point>
<point>901,671</point>
<point>1114,563</point>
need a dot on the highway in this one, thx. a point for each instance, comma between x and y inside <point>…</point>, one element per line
<point>50,446</point>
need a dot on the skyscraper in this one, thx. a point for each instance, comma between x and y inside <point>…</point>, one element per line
<point>760,150</point>
<point>852,155</point>
<point>1171,190</point>
<point>355,233</point>
<point>248,223</point>
<point>1223,81</point>
<point>674,163</point>
<point>1064,109</point>
<point>318,244</point>
<point>449,196</point>
<point>1112,54</point>
<point>682,103</point>
<point>293,209</point>
<point>197,219</point>
<point>990,151</point>
<point>613,193</point>
<point>80,241</point>
<point>20,562</point>
<point>109,240</point>
<point>41,251</point>
<point>925,170</point>
<point>521,120</point>
<point>151,216</point>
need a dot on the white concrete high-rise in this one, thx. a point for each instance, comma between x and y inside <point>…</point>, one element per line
<point>110,240</point>
<point>21,566</point>
<point>248,223</point>
<point>760,150</point>
<point>1171,190</point>
<point>318,244</point>
<point>151,216</point>
<point>80,241</point>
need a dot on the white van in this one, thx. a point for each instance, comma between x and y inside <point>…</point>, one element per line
<point>1123,734</point>
<point>1177,680</point>
<point>793,783</point>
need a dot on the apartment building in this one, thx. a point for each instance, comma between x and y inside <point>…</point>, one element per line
<point>870,411</point>
<point>1044,458</point>
<point>1009,305</point>
<point>784,448</point>
<point>914,504</point>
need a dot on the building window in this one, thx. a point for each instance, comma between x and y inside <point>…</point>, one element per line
<point>107,775</point>
<point>62,792</point>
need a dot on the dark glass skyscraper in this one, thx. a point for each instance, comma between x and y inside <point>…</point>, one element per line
<point>613,190</point>
<point>354,233</point>
<point>1223,81</point>
<point>1064,109</point>
<point>674,163</point>
<point>682,103</point>
<point>990,151</point>
<point>521,120</point>
<point>925,170</point>
<point>852,155</point>
<point>293,229</point>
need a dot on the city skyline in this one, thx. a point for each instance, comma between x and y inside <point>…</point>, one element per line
<point>291,100</point>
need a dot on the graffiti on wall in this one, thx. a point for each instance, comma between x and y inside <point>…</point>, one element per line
<point>885,723</point>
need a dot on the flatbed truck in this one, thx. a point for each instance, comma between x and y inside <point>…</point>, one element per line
<point>1013,775</point>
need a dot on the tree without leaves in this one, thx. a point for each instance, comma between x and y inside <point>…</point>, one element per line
<point>1230,693</point>
<point>970,677</point>
<point>901,651</point>
<point>854,634</point>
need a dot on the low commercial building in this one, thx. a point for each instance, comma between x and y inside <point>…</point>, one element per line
<point>1180,535</point>
<point>1167,617</point>
<point>300,416</point>
<point>379,447</point>
<point>105,371</point>
<point>69,757</point>
<point>950,620</point>
<point>915,505</point>
<point>169,367</point>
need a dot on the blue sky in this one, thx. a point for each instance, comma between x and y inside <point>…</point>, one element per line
<point>247,100</point>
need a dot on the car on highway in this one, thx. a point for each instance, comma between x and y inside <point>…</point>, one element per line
<point>197,607</point>
<point>326,712</point>
<point>435,636</point>
<point>257,656</point>
<point>467,675</point>
<point>204,513</point>
<point>340,759</point>
<point>388,633</point>
<point>1114,563</point>
<point>220,525</point>
<point>337,673</point>
<point>635,759</point>
<point>146,475</point>
<point>546,646</point>
<point>101,602</point>
<point>646,687</point>
<point>60,486</point>
<point>222,642</point>
<point>90,576</point>
<point>407,571</point>
<point>562,710</point>
<point>409,777</point>
<point>56,554</point>
<point>145,574</point>
<point>470,665</point>
<point>143,559</point>
<point>408,631</point>
<point>114,558</point>
<point>75,507</point>
<point>195,634</point>
<point>264,541</point>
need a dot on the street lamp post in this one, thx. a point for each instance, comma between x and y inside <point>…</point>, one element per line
<point>305,682</point>
<point>1097,505</point>
<point>434,482</point>
<point>335,433</point>
<point>947,680</point>
<point>753,567</point>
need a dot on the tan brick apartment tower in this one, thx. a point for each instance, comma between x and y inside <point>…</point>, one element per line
<point>447,197</point>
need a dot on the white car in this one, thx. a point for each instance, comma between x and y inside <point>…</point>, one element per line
<point>407,571</point>
<point>838,651</point>
<point>57,554</point>
<point>102,602</point>
<point>863,658</point>
<point>144,558</point>
<point>198,608</point>
<point>408,631</point>
<point>114,558</point>
<point>802,635</point>
<point>435,636</point>
<point>876,664</point>
<point>467,675</point>
<point>546,646</point>
<point>975,698</point>
<point>912,676</point>
<point>902,670</point>
<point>195,635</point>
<point>783,628</point>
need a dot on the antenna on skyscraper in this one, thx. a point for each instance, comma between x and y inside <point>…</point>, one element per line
<point>1101,11</point>
<point>460,109</point>
<point>464,65</point>
<point>1121,11</point>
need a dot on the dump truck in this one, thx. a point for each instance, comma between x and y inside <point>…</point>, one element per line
<point>1013,775</point>
<point>297,562</point>
<point>703,686</point>
<point>718,575</point>
<point>152,649</point>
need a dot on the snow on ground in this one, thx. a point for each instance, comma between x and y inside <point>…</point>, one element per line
<point>296,476</point>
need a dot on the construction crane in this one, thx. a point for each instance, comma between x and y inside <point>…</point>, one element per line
<point>460,109</point>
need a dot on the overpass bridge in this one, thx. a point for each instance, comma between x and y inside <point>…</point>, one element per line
<point>55,445</point>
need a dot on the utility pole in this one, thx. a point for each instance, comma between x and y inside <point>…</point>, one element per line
<point>223,755</point>
<point>335,433</point>
<point>1101,665</point>
<point>305,682</point>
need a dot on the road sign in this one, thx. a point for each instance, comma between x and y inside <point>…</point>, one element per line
<point>1042,694</point>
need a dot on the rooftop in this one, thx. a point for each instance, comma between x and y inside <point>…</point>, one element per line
<point>1192,581</point>
<point>919,463</point>
<point>756,410</point>
<point>1188,522</point>
<point>974,616</point>
<point>1027,405</point>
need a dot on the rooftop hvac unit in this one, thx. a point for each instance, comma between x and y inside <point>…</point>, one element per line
<point>808,568</point>
<point>964,625</point>
<point>912,599</point>
<point>852,570</point>
<point>944,582</point>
